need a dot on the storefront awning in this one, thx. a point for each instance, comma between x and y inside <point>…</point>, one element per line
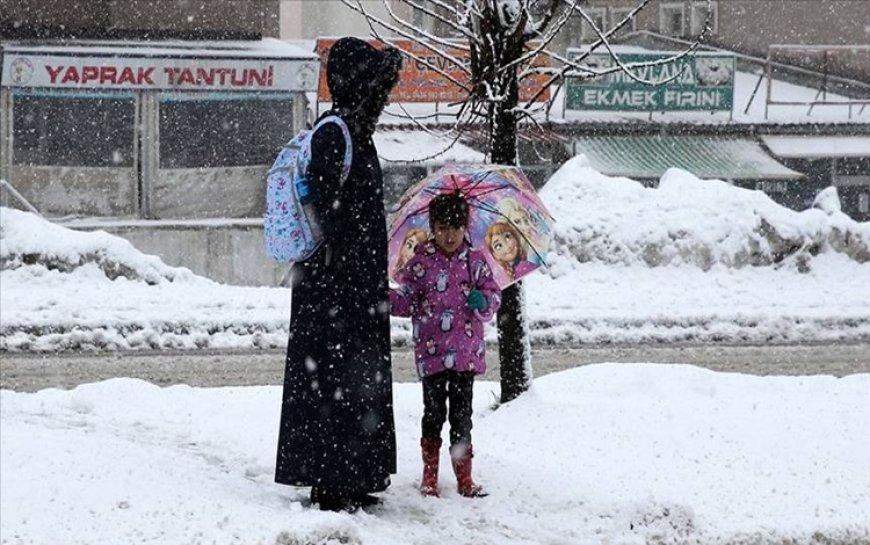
<point>818,147</point>
<point>648,157</point>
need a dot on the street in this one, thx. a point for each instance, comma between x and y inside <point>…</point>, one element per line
<point>214,368</point>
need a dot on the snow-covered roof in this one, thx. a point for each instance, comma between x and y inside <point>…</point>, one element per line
<point>424,148</point>
<point>818,146</point>
<point>267,48</point>
<point>650,156</point>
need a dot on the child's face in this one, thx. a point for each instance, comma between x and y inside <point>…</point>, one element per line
<point>448,238</point>
<point>504,246</point>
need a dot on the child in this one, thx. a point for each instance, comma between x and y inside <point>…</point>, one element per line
<point>448,291</point>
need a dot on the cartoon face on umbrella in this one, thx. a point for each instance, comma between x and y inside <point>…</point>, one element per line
<point>409,245</point>
<point>507,248</point>
<point>534,236</point>
<point>507,220</point>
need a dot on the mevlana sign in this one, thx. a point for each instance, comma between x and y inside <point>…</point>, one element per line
<point>703,82</point>
<point>156,73</point>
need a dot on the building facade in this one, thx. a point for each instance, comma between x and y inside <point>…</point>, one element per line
<point>159,117</point>
<point>145,19</point>
<point>749,27</point>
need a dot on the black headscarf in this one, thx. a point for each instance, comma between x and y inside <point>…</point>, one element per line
<point>360,78</point>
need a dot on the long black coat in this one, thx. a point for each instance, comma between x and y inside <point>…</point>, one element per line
<point>337,429</point>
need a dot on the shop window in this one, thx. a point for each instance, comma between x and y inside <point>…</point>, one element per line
<point>672,19</point>
<point>597,16</point>
<point>699,11</point>
<point>202,132</point>
<point>70,130</point>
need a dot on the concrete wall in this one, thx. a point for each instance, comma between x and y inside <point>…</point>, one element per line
<point>220,192</point>
<point>86,191</point>
<point>308,19</point>
<point>227,252</point>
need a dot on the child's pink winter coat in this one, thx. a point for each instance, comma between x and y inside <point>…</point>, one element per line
<point>433,289</point>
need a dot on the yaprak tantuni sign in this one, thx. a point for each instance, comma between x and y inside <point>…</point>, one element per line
<point>131,72</point>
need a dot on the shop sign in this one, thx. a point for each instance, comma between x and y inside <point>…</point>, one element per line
<point>702,82</point>
<point>419,82</point>
<point>178,74</point>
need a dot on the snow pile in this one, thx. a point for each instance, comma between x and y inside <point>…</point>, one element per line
<point>628,265</point>
<point>27,240</point>
<point>70,290</point>
<point>687,221</point>
<point>611,453</point>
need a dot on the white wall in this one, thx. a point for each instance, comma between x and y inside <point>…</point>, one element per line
<point>308,19</point>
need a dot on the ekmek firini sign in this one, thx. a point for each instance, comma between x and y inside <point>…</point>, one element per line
<point>697,82</point>
<point>126,72</point>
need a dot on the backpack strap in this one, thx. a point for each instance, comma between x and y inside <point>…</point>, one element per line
<point>348,144</point>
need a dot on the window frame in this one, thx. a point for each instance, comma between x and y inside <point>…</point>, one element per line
<point>618,14</point>
<point>586,32</point>
<point>50,132</point>
<point>176,152</point>
<point>696,17</point>
<point>665,11</point>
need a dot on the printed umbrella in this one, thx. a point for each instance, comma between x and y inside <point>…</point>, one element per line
<point>507,220</point>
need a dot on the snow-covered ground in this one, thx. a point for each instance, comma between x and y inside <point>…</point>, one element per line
<point>604,454</point>
<point>691,260</point>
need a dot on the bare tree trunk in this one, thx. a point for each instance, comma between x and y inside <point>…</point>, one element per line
<point>498,34</point>
<point>513,346</point>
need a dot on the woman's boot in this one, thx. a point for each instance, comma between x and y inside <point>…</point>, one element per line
<point>461,454</point>
<point>431,451</point>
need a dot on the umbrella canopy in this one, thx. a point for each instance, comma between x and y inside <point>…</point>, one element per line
<point>507,219</point>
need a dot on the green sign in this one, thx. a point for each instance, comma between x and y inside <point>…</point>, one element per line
<point>701,82</point>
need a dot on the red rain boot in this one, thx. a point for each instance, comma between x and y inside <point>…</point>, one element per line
<point>431,451</point>
<point>461,455</point>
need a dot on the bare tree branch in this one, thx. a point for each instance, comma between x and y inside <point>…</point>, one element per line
<point>566,16</point>
<point>437,16</point>
<point>544,24</point>
<point>372,19</point>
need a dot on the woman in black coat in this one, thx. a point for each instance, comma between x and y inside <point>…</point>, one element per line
<point>337,433</point>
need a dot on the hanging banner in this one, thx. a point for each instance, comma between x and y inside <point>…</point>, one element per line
<point>419,82</point>
<point>702,82</point>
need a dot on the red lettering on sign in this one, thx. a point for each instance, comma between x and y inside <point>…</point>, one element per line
<point>222,73</point>
<point>52,74</point>
<point>90,73</point>
<point>186,76</point>
<point>71,75</point>
<point>144,76</point>
<point>259,77</point>
<point>204,76</point>
<point>127,76</point>
<point>108,74</point>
